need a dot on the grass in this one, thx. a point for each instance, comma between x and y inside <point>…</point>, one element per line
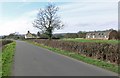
<point>99,63</point>
<point>7,58</point>
<point>90,40</point>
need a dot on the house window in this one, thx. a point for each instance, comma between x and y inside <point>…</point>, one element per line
<point>88,36</point>
<point>105,36</point>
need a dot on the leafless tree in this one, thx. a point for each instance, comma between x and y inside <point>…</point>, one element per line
<point>47,20</point>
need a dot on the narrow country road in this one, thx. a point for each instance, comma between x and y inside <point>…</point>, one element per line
<point>31,60</point>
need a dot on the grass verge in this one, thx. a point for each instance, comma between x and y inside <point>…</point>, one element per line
<point>99,63</point>
<point>7,58</point>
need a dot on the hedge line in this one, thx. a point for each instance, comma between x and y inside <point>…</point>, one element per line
<point>102,51</point>
<point>0,43</point>
<point>4,42</point>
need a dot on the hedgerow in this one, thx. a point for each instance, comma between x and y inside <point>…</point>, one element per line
<point>102,51</point>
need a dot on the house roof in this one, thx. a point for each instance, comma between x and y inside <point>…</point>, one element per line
<point>106,32</point>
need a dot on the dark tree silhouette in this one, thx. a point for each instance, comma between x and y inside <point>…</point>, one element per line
<point>47,20</point>
<point>38,34</point>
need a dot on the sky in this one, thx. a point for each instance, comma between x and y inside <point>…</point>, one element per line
<point>77,15</point>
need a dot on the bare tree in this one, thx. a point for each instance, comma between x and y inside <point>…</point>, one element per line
<point>48,20</point>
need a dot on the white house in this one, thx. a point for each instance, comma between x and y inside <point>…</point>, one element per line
<point>29,35</point>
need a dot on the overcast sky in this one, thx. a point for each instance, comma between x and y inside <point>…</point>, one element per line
<point>77,15</point>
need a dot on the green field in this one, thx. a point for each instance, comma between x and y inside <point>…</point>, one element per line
<point>90,40</point>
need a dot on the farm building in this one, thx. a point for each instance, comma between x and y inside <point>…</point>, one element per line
<point>29,35</point>
<point>107,35</point>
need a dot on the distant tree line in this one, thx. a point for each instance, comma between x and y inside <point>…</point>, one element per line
<point>13,36</point>
<point>80,34</point>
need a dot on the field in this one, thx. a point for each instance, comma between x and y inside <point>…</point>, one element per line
<point>90,40</point>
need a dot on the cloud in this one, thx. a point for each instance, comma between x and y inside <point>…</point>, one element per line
<point>59,0</point>
<point>83,16</point>
<point>0,10</point>
<point>89,16</point>
<point>21,24</point>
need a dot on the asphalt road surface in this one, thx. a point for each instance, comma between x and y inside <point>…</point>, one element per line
<point>32,60</point>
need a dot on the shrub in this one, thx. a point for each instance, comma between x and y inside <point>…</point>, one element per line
<point>4,42</point>
<point>102,51</point>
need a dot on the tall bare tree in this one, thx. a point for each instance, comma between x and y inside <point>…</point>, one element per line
<point>47,20</point>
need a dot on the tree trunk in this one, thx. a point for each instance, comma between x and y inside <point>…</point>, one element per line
<point>50,36</point>
<point>50,33</point>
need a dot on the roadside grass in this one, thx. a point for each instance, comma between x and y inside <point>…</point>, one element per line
<point>7,58</point>
<point>0,63</point>
<point>0,58</point>
<point>96,62</point>
<point>91,40</point>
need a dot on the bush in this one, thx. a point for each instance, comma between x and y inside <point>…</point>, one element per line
<point>0,43</point>
<point>4,42</point>
<point>102,51</point>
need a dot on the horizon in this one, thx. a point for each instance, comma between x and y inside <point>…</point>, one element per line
<point>17,33</point>
<point>77,16</point>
